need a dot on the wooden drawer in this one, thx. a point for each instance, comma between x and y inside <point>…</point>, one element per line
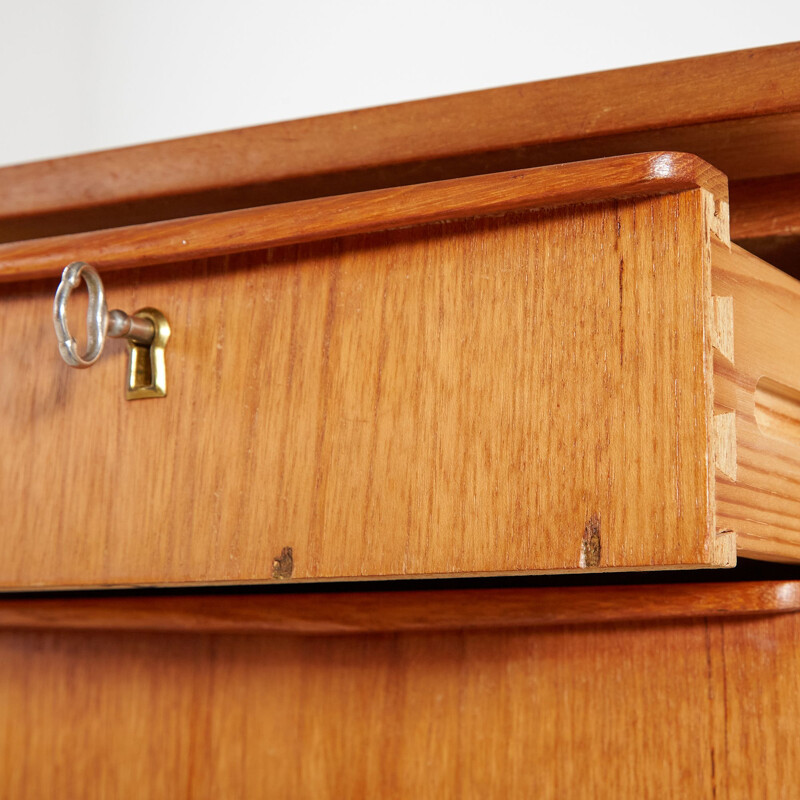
<point>511,373</point>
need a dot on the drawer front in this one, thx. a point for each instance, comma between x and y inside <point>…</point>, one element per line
<point>517,393</point>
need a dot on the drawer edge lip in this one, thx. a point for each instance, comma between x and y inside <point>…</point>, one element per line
<point>354,612</point>
<point>210,235</point>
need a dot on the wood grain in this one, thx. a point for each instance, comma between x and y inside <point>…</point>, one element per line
<point>481,396</point>
<point>700,709</point>
<point>359,612</point>
<point>293,223</point>
<point>766,207</point>
<point>765,219</point>
<point>741,111</point>
<point>760,691</point>
<point>763,504</point>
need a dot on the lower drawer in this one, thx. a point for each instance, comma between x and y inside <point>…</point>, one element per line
<point>511,712</point>
<point>505,374</point>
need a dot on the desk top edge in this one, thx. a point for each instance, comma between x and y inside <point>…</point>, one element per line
<point>447,136</point>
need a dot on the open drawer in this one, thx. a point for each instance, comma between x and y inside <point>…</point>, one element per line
<point>558,369</point>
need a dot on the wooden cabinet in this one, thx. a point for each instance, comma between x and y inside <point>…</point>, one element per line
<point>411,360</point>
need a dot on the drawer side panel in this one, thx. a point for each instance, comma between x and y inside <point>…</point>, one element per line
<point>761,387</point>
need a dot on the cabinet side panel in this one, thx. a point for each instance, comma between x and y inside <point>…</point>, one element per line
<point>506,394</point>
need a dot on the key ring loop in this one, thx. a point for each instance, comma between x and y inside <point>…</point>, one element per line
<point>96,315</point>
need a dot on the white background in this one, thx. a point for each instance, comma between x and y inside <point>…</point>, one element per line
<point>79,75</point>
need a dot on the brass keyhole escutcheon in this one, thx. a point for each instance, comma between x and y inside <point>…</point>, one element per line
<point>147,372</point>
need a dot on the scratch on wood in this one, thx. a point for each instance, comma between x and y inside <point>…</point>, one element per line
<point>283,565</point>
<point>591,548</point>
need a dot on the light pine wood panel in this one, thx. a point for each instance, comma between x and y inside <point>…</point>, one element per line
<point>700,709</point>
<point>480,396</point>
<point>737,110</point>
<point>762,505</point>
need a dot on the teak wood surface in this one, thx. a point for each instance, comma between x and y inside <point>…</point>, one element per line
<point>740,111</point>
<point>686,690</point>
<point>477,396</point>
<point>704,708</point>
<point>151,244</point>
<point>359,612</point>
